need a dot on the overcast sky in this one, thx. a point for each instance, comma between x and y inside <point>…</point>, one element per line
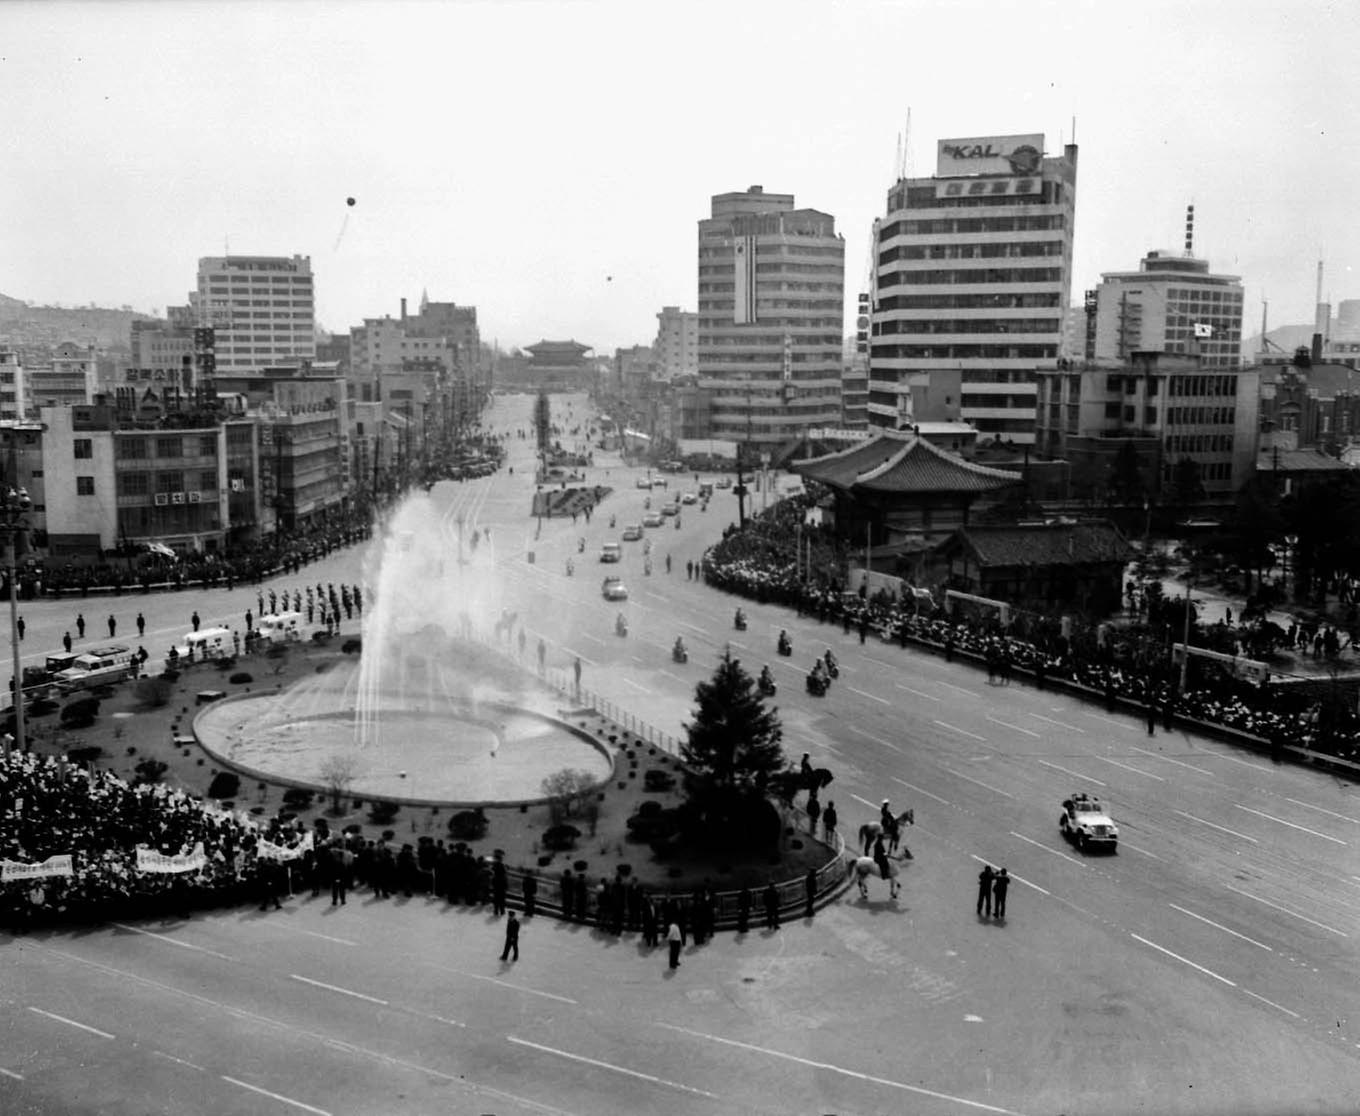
<point>516,155</point>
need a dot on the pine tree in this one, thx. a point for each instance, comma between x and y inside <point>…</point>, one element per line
<point>733,743</point>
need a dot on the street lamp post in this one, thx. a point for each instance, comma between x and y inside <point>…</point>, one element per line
<point>14,508</point>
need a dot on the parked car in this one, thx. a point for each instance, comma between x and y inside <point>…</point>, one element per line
<point>689,498</point>
<point>723,482</point>
<point>671,508</point>
<point>632,533</point>
<point>614,589</point>
<point>652,519</point>
<point>643,482</point>
<point>611,552</point>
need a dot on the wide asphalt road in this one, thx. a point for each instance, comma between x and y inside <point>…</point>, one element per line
<point>1206,968</point>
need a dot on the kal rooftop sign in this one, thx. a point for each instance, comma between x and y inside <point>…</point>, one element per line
<point>1020,155</point>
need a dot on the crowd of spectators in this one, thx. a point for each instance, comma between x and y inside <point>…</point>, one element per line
<point>52,808</point>
<point>1121,665</point>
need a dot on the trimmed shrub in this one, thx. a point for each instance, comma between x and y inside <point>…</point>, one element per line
<point>655,779</point>
<point>352,646</point>
<point>150,770</point>
<point>85,755</point>
<point>382,813</point>
<point>80,713</point>
<point>42,707</point>
<point>297,797</point>
<point>154,692</point>
<point>468,825</point>
<point>240,678</point>
<point>225,784</point>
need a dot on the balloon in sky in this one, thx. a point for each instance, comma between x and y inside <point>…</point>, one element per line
<point>349,201</point>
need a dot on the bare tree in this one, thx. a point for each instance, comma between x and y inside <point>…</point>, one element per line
<point>337,774</point>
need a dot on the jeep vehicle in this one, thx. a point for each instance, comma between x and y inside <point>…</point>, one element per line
<point>1084,822</point>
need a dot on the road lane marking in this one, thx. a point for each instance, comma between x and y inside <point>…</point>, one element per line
<point>276,925</point>
<point>611,1066</point>
<point>171,941</point>
<point>881,662</point>
<point>920,790</point>
<point>1224,828</point>
<point>276,1096</point>
<point>1074,774</point>
<point>71,1022</point>
<point>1272,1003</point>
<point>1286,910</point>
<point>1107,720</point>
<point>1216,926</point>
<point>1234,759</point>
<point>1126,767</point>
<point>961,689</point>
<point>588,662</point>
<point>871,697</point>
<point>10,1073</point>
<point>1015,876</point>
<point>918,693</point>
<point>734,643</point>
<point>1125,845</point>
<point>917,1089</point>
<point>875,739</point>
<point>964,732</point>
<point>636,686</point>
<point>638,659</point>
<point>179,1061</point>
<point>979,782</point>
<point>441,1019</point>
<point>1055,852</point>
<point>337,988</point>
<point>1303,828</point>
<point>1060,724</point>
<point>1323,810</point>
<point>1016,728</point>
<point>507,984</point>
<point>692,627</point>
<point>594,639</point>
<point>1184,961</point>
<point>668,674</point>
<point>1168,759</point>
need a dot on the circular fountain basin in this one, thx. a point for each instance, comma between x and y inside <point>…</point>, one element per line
<point>500,756</point>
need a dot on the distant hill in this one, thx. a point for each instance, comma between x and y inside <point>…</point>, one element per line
<point>1287,337</point>
<point>25,326</point>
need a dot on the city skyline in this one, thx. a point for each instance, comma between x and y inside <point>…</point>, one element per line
<point>553,172</point>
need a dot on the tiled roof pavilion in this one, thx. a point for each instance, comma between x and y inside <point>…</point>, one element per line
<point>901,462</point>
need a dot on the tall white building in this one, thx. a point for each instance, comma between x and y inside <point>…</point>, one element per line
<point>971,279</point>
<point>262,309</point>
<point>771,315</point>
<point>676,350</point>
<point>1172,304</point>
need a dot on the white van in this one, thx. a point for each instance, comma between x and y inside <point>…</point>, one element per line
<point>282,627</point>
<point>208,643</point>
<point>98,666</point>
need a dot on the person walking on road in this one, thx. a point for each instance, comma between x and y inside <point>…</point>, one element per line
<point>511,938</point>
<point>674,940</point>
<point>194,620</point>
<point>829,821</point>
<point>141,625</point>
<point>80,625</point>
<point>984,903</point>
<point>20,625</point>
<point>576,670</point>
<point>814,811</point>
<point>66,642</point>
<point>1151,716</point>
<point>999,886</point>
<point>113,627</point>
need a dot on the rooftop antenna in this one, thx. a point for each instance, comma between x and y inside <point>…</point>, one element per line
<point>906,144</point>
<point>1074,128</point>
<point>1190,230</point>
<point>897,160</point>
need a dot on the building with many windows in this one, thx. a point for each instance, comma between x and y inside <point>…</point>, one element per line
<point>771,316</point>
<point>676,349</point>
<point>972,270</point>
<point>1171,304</point>
<point>13,400</point>
<point>1167,406</point>
<point>263,309</point>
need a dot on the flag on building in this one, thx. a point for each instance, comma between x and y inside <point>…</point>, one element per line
<point>1203,329</point>
<point>744,280</point>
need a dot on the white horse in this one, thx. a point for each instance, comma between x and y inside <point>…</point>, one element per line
<point>869,832</point>
<point>864,867</point>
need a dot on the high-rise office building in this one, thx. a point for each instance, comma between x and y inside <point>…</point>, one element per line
<point>676,349</point>
<point>771,315</point>
<point>972,270</point>
<point>1171,304</point>
<point>263,309</point>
